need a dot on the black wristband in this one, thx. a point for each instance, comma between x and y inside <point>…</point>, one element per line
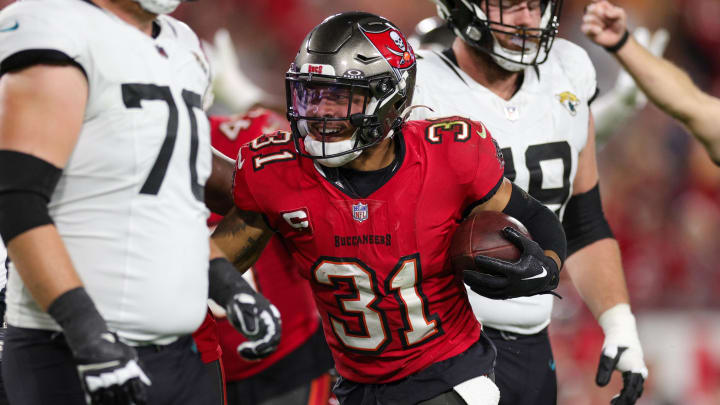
<point>78,317</point>
<point>226,281</point>
<point>619,44</point>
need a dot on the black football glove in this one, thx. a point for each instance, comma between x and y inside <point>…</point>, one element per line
<point>534,273</point>
<point>248,311</point>
<point>108,369</point>
<point>110,373</point>
<point>258,320</point>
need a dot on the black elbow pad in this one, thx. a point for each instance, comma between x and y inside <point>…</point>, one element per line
<point>584,220</point>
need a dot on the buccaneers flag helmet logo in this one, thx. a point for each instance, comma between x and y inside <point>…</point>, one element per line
<point>393,46</point>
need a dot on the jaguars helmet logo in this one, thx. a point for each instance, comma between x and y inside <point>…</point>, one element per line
<point>569,101</point>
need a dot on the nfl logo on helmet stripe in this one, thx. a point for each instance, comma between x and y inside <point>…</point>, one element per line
<point>360,212</point>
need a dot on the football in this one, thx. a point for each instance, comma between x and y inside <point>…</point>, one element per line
<point>481,234</point>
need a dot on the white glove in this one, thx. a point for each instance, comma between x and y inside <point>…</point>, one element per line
<point>230,85</point>
<point>614,108</point>
<point>621,351</point>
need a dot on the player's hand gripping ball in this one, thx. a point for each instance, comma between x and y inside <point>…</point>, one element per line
<point>498,258</point>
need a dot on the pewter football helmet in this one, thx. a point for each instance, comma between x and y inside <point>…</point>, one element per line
<point>351,57</point>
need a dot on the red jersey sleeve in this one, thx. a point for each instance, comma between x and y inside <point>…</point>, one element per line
<point>242,191</point>
<point>470,153</point>
<point>229,133</point>
<point>490,165</point>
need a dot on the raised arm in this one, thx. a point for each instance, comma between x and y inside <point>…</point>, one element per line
<point>666,85</point>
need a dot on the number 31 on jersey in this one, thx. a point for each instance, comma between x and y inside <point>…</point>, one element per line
<point>361,303</point>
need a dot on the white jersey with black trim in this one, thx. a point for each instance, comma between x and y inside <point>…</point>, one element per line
<point>129,205</point>
<point>541,131</point>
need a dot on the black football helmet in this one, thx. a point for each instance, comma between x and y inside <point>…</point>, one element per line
<point>470,21</point>
<point>364,67</point>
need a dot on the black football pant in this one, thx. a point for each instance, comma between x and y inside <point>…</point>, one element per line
<point>3,395</point>
<point>38,369</point>
<point>525,368</point>
<point>215,372</point>
<point>432,385</point>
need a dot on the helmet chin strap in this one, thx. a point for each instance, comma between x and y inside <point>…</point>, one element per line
<point>509,59</point>
<point>315,148</point>
<point>504,57</point>
<point>403,117</point>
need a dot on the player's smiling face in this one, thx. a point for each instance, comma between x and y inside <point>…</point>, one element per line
<point>328,101</point>
<point>520,13</point>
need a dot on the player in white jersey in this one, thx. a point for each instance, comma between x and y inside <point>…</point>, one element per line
<point>533,92</point>
<point>104,153</point>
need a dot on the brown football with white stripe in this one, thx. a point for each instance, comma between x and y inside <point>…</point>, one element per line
<point>481,234</point>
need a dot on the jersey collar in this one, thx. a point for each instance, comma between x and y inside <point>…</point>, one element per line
<point>335,176</point>
<point>450,59</point>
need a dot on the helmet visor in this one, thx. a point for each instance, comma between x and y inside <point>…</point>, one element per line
<point>325,109</point>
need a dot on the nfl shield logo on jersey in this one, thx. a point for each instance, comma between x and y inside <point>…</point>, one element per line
<point>360,212</point>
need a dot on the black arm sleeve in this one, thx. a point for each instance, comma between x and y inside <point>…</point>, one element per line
<point>584,220</point>
<point>543,225</point>
<point>31,57</point>
<point>26,185</point>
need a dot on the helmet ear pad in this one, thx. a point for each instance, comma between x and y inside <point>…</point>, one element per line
<point>377,123</point>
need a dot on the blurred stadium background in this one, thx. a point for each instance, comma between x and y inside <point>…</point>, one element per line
<point>661,192</point>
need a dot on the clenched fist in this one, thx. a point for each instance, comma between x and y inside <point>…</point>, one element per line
<point>604,23</point>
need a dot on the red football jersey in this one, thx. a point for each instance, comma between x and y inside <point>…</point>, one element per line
<point>275,274</point>
<point>378,266</point>
<point>228,134</point>
<point>206,339</point>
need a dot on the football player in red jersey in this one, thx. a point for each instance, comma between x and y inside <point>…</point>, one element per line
<point>367,204</point>
<point>297,372</point>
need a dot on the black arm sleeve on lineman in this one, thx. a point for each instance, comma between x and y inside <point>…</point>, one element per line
<point>584,220</point>
<point>26,185</point>
<point>543,225</point>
